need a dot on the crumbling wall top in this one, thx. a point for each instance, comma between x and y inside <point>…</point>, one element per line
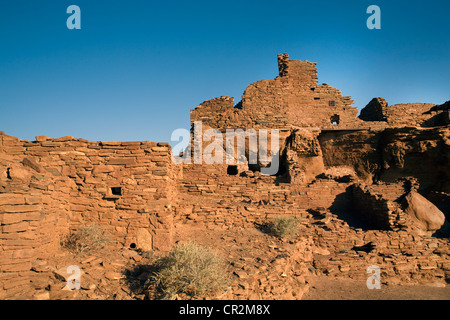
<point>304,72</point>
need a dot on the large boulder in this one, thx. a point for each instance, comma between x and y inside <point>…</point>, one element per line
<point>426,215</point>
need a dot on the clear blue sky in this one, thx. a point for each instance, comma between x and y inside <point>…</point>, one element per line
<point>135,68</point>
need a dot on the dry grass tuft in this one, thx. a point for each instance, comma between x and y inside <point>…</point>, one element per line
<point>87,239</point>
<point>189,269</point>
<point>282,227</point>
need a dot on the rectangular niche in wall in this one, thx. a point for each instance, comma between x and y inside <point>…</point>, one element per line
<point>116,191</point>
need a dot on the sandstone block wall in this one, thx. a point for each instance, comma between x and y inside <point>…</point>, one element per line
<point>236,201</point>
<point>401,256</point>
<point>406,114</point>
<point>124,186</point>
<point>50,187</point>
<point>377,207</point>
<point>292,99</point>
<point>211,199</point>
<point>33,218</point>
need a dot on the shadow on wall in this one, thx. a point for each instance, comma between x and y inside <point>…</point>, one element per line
<point>361,210</point>
<point>443,232</point>
<point>345,208</point>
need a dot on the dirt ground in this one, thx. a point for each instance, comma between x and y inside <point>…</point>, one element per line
<point>261,267</point>
<point>323,288</point>
<point>246,243</point>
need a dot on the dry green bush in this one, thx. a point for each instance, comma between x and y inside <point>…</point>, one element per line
<point>87,239</point>
<point>282,227</point>
<point>189,269</point>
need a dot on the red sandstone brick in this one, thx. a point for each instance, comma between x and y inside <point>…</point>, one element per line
<point>121,161</point>
<point>11,199</point>
<point>19,208</point>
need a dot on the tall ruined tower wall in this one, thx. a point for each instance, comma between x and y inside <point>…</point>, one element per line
<point>293,99</point>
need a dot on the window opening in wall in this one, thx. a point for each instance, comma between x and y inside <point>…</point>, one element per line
<point>316,98</point>
<point>332,103</point>
<point>232,170</point>
<point>116,191</point>
<point>334,120</point>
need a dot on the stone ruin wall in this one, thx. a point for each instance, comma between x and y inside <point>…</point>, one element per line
<point>235,201</point>
<point>51,186</point>
<point>406,114</point>
<point>292,99</point>
<point>209,200</point>
<point>32,220</point>
<point>373,149</point>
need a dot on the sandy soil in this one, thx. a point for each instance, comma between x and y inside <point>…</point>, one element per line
<point>231,243</point>
<point>323,288</point>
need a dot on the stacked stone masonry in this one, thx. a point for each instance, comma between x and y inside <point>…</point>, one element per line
<point>59,184</point>
<point>336,171</point>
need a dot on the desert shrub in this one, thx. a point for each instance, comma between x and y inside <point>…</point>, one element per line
<point>87,239</point>
<point>189,269</point>
<point>282,227</point>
